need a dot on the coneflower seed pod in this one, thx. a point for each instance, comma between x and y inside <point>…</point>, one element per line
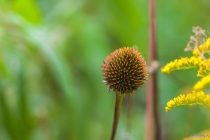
<point>124,70</point>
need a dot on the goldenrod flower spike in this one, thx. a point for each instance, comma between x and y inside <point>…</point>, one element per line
<point>199,47</point>
<point>208,44</point>
<point>202,84</point>
<point>195,98</point>
<point>204,68</point>
<point>187,63</point>
<point>196,52</point>
<point>183,63</point>
<point>202,49</point>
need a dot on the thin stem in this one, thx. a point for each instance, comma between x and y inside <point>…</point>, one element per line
<point>129,116</point>
<point>152,121</point>
<point>118,102</point>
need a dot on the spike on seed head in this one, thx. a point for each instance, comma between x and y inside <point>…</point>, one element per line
<point>124,70</point>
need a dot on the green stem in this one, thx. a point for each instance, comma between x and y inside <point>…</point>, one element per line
<point>129,115</point>
<point>118,102</point>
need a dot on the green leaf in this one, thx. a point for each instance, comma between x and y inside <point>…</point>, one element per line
<point>28,9</point>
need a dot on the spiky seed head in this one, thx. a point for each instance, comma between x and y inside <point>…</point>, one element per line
<point>124,70</point>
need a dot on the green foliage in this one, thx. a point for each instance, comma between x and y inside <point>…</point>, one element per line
<point>50,66</point>
<point>21,6</point>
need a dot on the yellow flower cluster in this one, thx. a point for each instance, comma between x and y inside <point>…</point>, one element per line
<point>196,98</point>
<point>208,43</point>
<point>203,83</point>
<point>198,60</point>
<point>187,63</point>
<point>203,48</point>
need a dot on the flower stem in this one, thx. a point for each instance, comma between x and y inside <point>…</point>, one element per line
<point>129,116</point>
<point>118,102</point>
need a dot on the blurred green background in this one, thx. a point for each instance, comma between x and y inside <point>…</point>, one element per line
<point>50,67</point>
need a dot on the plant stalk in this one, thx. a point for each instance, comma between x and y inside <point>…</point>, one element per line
<point>152,121</point>
<point>129,116</point>
<point>118,102</point>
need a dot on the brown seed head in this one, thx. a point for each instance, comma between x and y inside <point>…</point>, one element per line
<point>124,70</point>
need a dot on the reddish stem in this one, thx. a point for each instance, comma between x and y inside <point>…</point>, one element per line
<point>118,102</point>
<point>129,116</point>
<point>152,120</point>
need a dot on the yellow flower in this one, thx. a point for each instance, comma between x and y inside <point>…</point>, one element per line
<point>203,83</point>
<point>187,63</point>
<point>195,98</point>
<point>195,52</point>
<point>208,44</point>
<point>202,49</point>
<point>183,63</point>
<point>204,68</point>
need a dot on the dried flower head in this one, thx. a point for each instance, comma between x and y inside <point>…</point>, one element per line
<point>124,70</point>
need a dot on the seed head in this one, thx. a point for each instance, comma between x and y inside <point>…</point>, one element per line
<point>124,70</point>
